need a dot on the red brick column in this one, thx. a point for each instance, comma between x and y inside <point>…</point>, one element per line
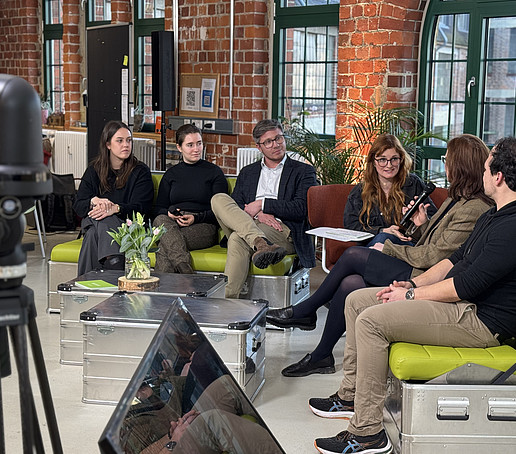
<point>72,59</point>
<point>20,47</point>
<point>121,11</point>
<point>378,55</point>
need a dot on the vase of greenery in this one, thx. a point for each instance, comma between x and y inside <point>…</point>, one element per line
<point>136,240</point>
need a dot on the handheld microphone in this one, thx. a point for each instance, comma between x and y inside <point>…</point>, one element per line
<point>405,220</point>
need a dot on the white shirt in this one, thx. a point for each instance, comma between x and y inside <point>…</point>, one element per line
<point>268,184</point>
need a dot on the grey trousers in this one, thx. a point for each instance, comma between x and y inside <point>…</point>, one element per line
<point>97,244</point>
<point>175,244</point>
<point>241,231</point>
<point>371,326</point>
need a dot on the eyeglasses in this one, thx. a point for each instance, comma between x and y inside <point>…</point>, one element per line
<point>279,139</point>
<point>382,162</point>
<point>443,159</point>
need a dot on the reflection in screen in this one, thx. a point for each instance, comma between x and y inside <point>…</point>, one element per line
<point>182,399</point>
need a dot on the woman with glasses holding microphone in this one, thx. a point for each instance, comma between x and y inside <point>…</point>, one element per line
<point>183,204</point>
<point>375,205</point>
<point>358,267</point>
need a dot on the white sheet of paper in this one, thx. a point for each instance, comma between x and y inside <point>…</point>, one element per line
<point>340,234</point>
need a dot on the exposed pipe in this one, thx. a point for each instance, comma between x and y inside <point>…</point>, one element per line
<point>231,50</point>
<point>175,26</point>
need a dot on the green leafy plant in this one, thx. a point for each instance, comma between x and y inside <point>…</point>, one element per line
<point>136,240</point>
<point>333,161</point>
<point>406,123</point>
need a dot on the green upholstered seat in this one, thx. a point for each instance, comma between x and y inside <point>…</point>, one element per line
<point>425,362</point>
<point>211,259</point>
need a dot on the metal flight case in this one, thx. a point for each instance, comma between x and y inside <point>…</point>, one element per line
<point>75,300</point>
<point>118,331</point>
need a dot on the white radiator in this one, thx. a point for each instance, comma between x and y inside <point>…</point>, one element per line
<point>246,156</point>
<point>70,153</point>
<point>145,151</point>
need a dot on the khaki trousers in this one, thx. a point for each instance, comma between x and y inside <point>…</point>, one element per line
<point>371,326</point>
<point>241,231</point>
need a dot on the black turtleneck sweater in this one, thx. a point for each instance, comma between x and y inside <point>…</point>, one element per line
<point>190,187</point>
<point>484,269</point>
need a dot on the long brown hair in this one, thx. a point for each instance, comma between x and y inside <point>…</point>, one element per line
<point>102,163</point>
<point>372,193</point>
<point>465,158</point>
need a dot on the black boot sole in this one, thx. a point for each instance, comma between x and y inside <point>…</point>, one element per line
<point>264,259</point>
<point>318,370</point>
<point>289,324</point>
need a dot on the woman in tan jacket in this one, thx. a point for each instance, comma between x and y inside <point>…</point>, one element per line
<point>362,267</point>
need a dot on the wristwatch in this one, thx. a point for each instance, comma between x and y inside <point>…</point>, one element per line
<point>171,445</point>
<point>410,294</point>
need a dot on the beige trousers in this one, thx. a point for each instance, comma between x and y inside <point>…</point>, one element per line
<point>241,231</point>
<point>372,326</point>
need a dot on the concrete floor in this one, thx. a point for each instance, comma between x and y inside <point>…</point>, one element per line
<point>282,402</point>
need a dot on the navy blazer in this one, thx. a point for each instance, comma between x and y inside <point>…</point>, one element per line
<point>290,206</point>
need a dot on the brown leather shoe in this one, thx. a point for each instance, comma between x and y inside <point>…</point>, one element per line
<point>267,253</point>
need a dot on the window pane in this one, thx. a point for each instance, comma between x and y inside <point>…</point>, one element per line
<point>330,115</point>
<point>99,10</point>
<point>308,75</point>
<point>151,9</point>
<point>53,12</point>
<point>500,79</point>
<point>448,76</point>
<point>456,120</point>
<point>498,122</point>
<point>441,82</point>
<point>439,115</point>
<point>144,71</point>
<point>458,79</point>
<point>54,79</point>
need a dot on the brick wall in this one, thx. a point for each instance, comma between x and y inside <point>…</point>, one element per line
<point>204,44</point>
<point>378,51</point>
<point>20,47</point>
<point>378,55</point>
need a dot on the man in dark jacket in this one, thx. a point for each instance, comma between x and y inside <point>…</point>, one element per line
<point>266,215</point>
<point>467,300</point>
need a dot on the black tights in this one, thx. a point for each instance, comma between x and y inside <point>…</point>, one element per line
<point>344,278</point>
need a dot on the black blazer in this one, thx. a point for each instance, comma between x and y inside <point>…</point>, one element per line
<point>290,206</point>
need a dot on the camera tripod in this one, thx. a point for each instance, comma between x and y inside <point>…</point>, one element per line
<point>18,313</point>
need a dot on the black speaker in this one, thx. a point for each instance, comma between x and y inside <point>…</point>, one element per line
<point>163,79</point>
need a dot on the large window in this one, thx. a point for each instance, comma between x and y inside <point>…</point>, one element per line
<point>53,54</point>
<point>305,62</point>
<point>149,17</point>
<point>468,72</point>
<point>99,11</point>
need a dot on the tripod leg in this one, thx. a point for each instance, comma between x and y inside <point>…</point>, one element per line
<point>2,434</point>
<point>44,387</point>
<point>19,340</point>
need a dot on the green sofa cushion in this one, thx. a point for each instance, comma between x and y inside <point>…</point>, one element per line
<point>425,362</point>
<point>211,259</point>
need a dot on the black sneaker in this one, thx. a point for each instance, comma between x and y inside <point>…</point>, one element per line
<point>332,407</point>
<point>346,442</point>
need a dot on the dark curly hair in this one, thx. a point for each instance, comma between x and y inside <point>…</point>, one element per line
<point>504,160</point>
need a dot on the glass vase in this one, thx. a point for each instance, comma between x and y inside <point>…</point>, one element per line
<point>137,268</point>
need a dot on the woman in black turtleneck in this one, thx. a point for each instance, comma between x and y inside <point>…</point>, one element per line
<point>183,204</point>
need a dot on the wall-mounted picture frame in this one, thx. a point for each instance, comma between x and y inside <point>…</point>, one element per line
<point>199,95</point>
